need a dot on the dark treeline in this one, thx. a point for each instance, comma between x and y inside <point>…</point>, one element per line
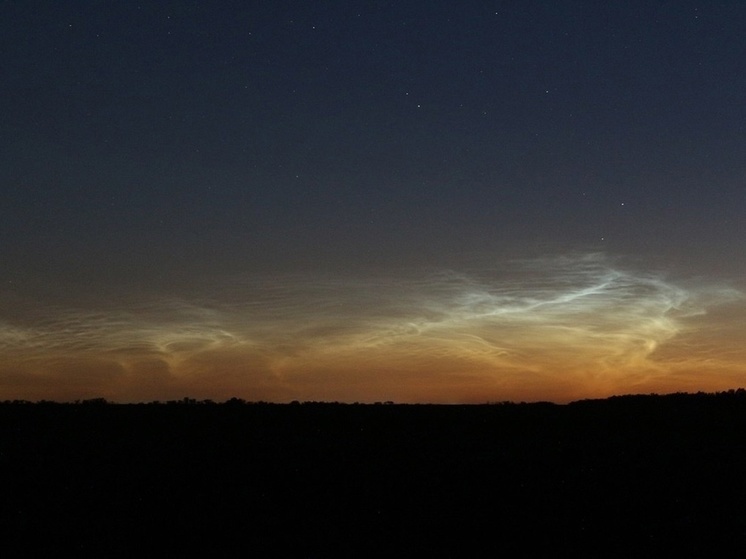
<point>650,398</point>
<point>607,477</point>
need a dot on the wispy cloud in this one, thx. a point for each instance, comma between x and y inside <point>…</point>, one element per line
<point>565,325</point>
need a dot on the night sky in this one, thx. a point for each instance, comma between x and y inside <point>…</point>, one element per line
<point>413,201</point>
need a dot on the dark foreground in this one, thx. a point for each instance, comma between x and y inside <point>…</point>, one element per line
<point>607,478</point>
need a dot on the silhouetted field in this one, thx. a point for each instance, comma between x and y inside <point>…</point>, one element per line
<point>611,477</point>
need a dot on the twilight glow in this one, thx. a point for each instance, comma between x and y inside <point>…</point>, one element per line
<point>560,328</point>
<point>362,201</point>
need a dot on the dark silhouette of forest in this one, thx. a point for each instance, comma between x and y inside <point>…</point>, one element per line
<point>611,477</point>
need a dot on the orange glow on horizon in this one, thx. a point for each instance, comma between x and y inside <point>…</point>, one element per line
<point>554,329</point>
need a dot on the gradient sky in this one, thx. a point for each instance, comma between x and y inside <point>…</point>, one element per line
<point>415,201</point>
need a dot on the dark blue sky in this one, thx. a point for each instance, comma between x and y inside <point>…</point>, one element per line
<point>156,144</point>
